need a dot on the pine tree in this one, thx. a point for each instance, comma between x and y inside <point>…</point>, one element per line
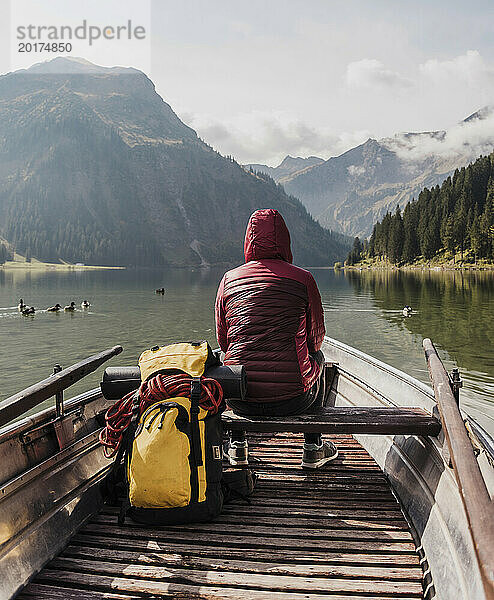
<point>460,224</point>
<point>448,235</point>
<point>4,254</point>
<point>396,237</point>
<point>355,252</point>
<point>487,220</point>
<point>410,243</point>
<point>476,239</point>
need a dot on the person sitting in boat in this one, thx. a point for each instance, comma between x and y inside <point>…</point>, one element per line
<point>269,318</point>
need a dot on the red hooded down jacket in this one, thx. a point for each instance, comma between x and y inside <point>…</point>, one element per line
<point>269,315</point>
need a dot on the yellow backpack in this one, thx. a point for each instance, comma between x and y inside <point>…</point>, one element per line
<point>173,451</point>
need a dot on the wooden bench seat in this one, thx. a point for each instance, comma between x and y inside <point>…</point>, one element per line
<point>343,419</point>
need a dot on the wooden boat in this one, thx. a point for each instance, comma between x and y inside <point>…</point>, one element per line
<point>404,512</point>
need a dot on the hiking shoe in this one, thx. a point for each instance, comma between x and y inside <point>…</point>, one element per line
<point>316,456</point>
<point>237,453</point>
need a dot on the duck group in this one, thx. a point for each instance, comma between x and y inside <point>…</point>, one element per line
<point>26,310</point>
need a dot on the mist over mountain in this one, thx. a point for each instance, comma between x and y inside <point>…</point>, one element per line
<point>95,167</point>
<point>352,191</point>
<point>288,166</point>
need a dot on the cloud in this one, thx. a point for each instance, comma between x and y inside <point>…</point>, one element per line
<point>437,92</point>
<point>469,68</point>
<point>371,73</point>
<point>467,139</point>
<point>267,137</point>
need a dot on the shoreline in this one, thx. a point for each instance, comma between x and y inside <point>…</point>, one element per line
<point>41,266</point>
<point>390,267</point>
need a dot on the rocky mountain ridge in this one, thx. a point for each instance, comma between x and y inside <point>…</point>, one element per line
<point>289,166</point>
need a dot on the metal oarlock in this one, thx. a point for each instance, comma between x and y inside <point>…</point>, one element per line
<point>456,383</point>
<point>58,395</point>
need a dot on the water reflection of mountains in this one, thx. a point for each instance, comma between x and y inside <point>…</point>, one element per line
<point>453,308</point>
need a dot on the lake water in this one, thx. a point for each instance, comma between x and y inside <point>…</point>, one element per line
<point>362,309</point>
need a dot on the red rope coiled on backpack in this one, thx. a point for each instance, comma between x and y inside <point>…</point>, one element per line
<point>160,387</point>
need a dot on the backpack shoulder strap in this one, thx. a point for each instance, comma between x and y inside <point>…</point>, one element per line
<point>112,477</point>
<point>125,452</point>
<point>195,397</point>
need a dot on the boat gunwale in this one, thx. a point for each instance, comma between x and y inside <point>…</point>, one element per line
<point>418,471</point>
<point>46,415</point>
<point>15,406</point>
<point>485,439</point>
<point>477,502</point>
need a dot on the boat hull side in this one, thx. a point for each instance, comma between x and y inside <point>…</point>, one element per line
<point>45,504</point>
<point>417,470</point>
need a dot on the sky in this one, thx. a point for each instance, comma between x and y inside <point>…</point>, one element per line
<point>266,78</point>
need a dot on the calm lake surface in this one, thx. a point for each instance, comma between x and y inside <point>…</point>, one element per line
<point>362,309</point>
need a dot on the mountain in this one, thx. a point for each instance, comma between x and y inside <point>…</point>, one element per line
<point>95,167</point>
<point>351,192</point>
<point>73,65</point>
<point>288,167</point>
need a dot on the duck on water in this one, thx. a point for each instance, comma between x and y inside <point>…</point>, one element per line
<point>55,308</point>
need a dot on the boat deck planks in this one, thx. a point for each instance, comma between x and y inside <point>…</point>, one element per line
<point>337,533</point>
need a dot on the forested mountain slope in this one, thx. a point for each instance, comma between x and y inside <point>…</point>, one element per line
<point>456,218</point>
<point>95,167</point>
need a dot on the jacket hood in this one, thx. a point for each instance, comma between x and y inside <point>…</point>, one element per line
<point>267,236</point>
